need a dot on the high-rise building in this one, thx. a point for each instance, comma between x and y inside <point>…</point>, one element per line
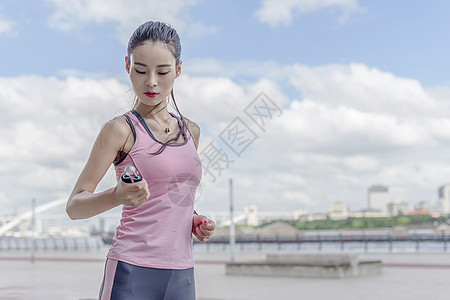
<point>444,197</point>
<point>378,197</point>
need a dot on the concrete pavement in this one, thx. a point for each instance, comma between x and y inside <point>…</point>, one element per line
<point>76,275</point>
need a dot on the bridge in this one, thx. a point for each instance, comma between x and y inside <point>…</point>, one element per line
<point>26,216</point>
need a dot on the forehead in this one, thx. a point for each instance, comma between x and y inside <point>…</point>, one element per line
<point>151,53</point>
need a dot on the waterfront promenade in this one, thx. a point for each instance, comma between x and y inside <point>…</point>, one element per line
<point>77,275</point>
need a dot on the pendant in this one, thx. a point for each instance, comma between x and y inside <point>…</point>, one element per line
<point>167,130</point>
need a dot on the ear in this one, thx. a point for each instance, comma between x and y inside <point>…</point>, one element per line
<point>127,64</point>
<point>178,69</point>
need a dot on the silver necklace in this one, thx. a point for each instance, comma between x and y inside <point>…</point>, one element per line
<point>166,129</point>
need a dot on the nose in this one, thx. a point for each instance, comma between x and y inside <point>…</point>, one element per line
<point>151,80</point>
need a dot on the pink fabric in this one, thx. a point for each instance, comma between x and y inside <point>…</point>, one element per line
<point>108,279</point>
<point>158,233</point>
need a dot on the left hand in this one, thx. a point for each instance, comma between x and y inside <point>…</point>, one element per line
<point>202,227</point>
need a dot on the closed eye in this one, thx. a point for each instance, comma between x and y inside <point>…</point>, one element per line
<point>164,73</point>
<point>139,72</point>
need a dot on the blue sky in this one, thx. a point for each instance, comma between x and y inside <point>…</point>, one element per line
<point>407,38</point>
<point>364,87</point>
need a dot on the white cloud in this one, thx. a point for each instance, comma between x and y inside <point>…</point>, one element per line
<point>219,96</point>
<point>363,88</point>
<point>48,130</point>
<point>351,131</point>
<point>6,26</point>
<point>126,16</point>
<point>275,13</point>
<point>352,127</point>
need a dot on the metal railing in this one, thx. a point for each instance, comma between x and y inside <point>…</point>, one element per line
<point>340,242</point>
<point>51,243</point>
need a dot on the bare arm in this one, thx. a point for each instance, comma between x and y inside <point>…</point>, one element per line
<point>83,202</point>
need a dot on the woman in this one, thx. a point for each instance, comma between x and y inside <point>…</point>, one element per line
<point>151,255</point>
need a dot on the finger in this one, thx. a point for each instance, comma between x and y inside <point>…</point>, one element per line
<point>203,232</point>
<point>199,220</point>
<point>142,194</point>
<point>137,200</point>
<point>139,193</point>
<point>133,187</point>
<point>201,238</point>
<point>208,226</point>
<point>199,232</point>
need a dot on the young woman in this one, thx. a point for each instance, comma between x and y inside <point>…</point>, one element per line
<point>151,255</point>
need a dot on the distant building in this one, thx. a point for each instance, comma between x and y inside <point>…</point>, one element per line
<point>433,207</point>
<point>421,205</point>
<point>444,197</point>
<point>338,211</point>
<point>378,198</point>
<point>367,214</point>
<point>396,209</point>
<point>251,215</point>
<point>416,211</point>
<point>314,217</point>
<point>298,214</point>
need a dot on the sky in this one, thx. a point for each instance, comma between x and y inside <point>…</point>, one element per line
<point>359,93</point>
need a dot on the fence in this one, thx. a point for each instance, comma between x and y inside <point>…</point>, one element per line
<point>51,244</point>
<point>437,242</point>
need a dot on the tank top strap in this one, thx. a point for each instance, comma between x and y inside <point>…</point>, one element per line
<point>142,128</point>
<point>133,129</point>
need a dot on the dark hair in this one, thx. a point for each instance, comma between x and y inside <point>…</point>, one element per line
<point>156,31</point>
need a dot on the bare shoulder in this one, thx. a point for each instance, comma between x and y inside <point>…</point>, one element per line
<point>117,125</point>
<point>194,129</point>
<point>115,132</point>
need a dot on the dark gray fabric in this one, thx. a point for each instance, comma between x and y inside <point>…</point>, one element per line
<point>141,283</point>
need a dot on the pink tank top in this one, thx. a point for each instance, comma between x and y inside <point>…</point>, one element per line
<point>158,233</point>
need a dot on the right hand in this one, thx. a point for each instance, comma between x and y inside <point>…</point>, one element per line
<point>133,194</point>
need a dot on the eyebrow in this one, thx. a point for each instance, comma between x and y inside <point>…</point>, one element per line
<point>158,66</point>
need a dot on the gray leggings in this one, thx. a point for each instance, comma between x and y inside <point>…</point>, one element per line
<point>123,281</point>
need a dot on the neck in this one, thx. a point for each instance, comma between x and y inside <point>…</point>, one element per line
<point>158,111</point>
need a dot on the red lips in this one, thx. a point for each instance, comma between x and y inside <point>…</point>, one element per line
<point>151,94</point>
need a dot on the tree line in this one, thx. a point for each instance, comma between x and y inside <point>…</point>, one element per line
<point>367,223</point>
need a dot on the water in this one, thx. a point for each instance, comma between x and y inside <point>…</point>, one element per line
<point>356,247</point>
